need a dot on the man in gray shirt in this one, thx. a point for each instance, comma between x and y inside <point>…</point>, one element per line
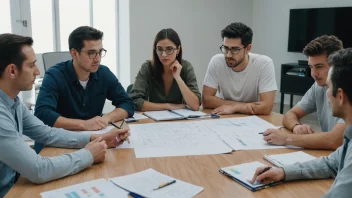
<point>315,100</point>
<point>339,163</point>
<point>18,70</point>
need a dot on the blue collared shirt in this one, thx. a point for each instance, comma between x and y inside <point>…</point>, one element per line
<point>61,94</point>
<point>17,156</point>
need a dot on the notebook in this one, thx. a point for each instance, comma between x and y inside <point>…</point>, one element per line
<point>147,184</point>
<point>280,160</point>
<point>178,114</point>
<point>135,118</point>
<point>243,173</point>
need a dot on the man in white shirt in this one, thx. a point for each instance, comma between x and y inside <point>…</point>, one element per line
<point>245,81</point>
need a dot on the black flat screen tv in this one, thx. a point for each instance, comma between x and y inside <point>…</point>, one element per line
<point>307,24</point>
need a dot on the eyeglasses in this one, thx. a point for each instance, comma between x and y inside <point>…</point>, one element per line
<point>92,53</point>
<point>234,50</point>
<point>168,50</point>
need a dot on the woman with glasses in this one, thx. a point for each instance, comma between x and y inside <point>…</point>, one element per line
<point>167,81</point>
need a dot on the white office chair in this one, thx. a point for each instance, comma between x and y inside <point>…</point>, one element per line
<point>52,58</point>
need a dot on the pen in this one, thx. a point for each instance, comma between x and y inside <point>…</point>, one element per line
<point>165,184</point>
<point>265,169</point>
<point>119,127</point>
<point>134,195</point>
<point>262,133</point>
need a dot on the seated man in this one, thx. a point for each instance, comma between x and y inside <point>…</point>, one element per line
<point>315,100</point>
<point>245,81</point>
<point>73,93</point>
<point>339,163</point>
<point>17,73</point>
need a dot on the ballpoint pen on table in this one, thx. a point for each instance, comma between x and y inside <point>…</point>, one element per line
<point>212,115</point>
<point>165,184</point>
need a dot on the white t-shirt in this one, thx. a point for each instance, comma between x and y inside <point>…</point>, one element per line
<point>84,83</point>
<point>245,86</point>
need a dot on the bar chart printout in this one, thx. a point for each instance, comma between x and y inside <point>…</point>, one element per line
<point>93,189</point>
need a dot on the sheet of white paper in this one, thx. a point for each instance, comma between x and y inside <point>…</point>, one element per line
<point>239,123</point>
<point>144,182</point>
<point>291,158</point>
<point>244,172</point>
<point>243,133</point>
<point>162,115</point>
<point>188,112</point>
<point>175,139</point>
<point>246,139</point>
<point>93,189</point>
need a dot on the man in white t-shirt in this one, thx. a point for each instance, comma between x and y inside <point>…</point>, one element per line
<point>245,81</point>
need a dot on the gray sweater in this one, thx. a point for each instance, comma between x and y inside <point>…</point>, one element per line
<point>326,167</point>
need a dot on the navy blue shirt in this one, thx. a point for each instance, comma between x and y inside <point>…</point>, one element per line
<point>61,94</point>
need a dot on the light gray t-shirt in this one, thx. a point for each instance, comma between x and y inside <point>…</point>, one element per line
<point>316,100</point>
<point>245,86</point>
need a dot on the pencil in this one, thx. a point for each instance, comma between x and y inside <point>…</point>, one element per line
<point>165,184</point>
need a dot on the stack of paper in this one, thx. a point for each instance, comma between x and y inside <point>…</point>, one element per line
<point>144,183</point>
<point>289,158</point>
<point>93,189</point>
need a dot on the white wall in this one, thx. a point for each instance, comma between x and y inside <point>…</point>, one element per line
<point>271,25</point>
<point>198,23</point>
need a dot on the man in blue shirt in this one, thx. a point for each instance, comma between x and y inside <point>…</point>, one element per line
<point>73,93</point>
<point>18,70</point>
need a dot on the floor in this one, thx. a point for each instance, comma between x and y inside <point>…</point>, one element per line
<point>310,119</point>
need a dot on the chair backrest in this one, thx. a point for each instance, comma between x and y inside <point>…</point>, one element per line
<point>129,88</point>
<point>52,58</point>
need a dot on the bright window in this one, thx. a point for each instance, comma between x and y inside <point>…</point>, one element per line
<point>42,26</point>
<point>72,15</point>
<point>5,16</point>
<point>104,19</point>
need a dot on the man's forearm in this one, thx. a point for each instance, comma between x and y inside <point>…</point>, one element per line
<point>290,120</point>
<point>69,124</point>
<point>321,140</point>
<point>116,115</point>
<point>315,169</point>
<point>262,108</point>
<point>212,102</point>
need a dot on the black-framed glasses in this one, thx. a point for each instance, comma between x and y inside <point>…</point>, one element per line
<point>92,53</point>
<point>168,50</point>
<point>234,50</point>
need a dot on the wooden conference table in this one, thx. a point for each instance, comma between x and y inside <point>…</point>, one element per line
<point>200,170</point>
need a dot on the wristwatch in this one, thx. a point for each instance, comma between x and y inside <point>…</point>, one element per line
<point>295,126</point>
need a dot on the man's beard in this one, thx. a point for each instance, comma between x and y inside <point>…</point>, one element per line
<point>236,63</point>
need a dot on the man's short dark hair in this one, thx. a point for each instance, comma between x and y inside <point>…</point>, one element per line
<point>11,50</point>
<point>341,76</point>
<point>80,34</point>
<point>238,30</point>
<point>323,45</point>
